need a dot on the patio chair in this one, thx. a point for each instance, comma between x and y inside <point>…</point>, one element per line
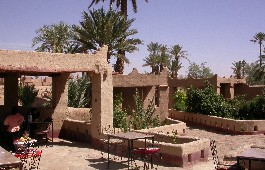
<point>42,134</point>
<point>225,165</point>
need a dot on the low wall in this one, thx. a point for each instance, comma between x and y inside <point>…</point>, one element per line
<point>175,150</point>
<point>178,128</point>
<point>221,124</point>
<point>76,130</point>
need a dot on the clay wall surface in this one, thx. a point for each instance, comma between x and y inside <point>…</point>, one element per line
<point>76,130</point>
<point>249,91</point>
<point>135,79</point>
<point>221,124</point>
<point>52,62</point>
<point>178,129</point>
<point>149,87</point>
<point>46,81</point>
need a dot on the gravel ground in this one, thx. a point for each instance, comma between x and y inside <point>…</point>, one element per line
<point>66,155</point>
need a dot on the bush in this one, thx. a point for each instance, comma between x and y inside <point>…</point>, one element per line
<point>27,94</point>
<point>207,101</point>
<point>142,118</point>
<point>119,115</point>
<point>180,99</point>
<point>79,92</point>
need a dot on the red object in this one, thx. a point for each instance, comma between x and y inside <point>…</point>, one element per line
<point>146,150</point>
<point>28,154</point>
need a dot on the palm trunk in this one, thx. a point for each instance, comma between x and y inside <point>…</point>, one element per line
<point>119,67</point>
<point>260,57</point>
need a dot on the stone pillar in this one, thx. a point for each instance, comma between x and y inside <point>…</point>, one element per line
<point>232,91</point>
<point>60,100</point>
<point>163,101</point>
<point>102,105</point>
<point>171,91</point>
<point>11,90</point>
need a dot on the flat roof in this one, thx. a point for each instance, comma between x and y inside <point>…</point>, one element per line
<point>29,62</point>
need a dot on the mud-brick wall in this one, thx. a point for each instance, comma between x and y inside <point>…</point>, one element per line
<point>221,124</point>
<point>76,130</point>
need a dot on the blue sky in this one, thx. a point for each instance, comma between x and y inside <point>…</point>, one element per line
<point>212,31</point>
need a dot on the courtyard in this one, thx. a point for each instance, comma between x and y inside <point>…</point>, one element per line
<point>75,155</point>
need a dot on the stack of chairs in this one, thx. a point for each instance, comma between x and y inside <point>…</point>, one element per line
<point>29,155</point>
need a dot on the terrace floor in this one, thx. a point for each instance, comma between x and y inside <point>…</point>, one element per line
<point>69,155</point>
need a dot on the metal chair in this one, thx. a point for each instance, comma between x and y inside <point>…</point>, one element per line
<point>226,165</point>
<point>42,135</point>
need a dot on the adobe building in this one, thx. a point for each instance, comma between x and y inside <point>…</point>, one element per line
<point>227,87</point>
<point>59,66</point>
<point>150,87</point>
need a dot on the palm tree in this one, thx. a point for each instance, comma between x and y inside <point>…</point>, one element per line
<point>177,53</point>
<point>55,38</point>
<point>164,58</point>
<point>152,61</point>
<point>238,69</point>
<point>100,28</point>
<point>158,57</point>
<point>122,5</point>
<point>259,38</point>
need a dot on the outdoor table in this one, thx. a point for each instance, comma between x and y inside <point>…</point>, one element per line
<point>9,160</point>
<point>256,154</point>
<point>39,123</point>
<point>130,137</point>
<point>24,144</point>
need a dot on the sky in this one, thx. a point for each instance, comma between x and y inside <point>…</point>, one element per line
<point>212,31</point>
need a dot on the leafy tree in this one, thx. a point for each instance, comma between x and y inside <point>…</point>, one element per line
<point>100,28</point>
<point>177,53</point>
<point>27,94</point>
<point>259,38</point>
<point>239,69</point>
<point>55,38</point>
<point>122,5</point>
<point>199,71</point>
<point>79,92</point>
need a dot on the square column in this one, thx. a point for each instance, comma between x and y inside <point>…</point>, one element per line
<point>59,100</point>
<point>11,90</point>
<point>163,101</point>
<point>102,105</point>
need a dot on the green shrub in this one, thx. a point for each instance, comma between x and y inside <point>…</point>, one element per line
<point>119,115</point>
<point>27,94</point>
<point>142,118</point>
<point>207,101</point>
<point>180,99</point>
<point>79,92</point>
